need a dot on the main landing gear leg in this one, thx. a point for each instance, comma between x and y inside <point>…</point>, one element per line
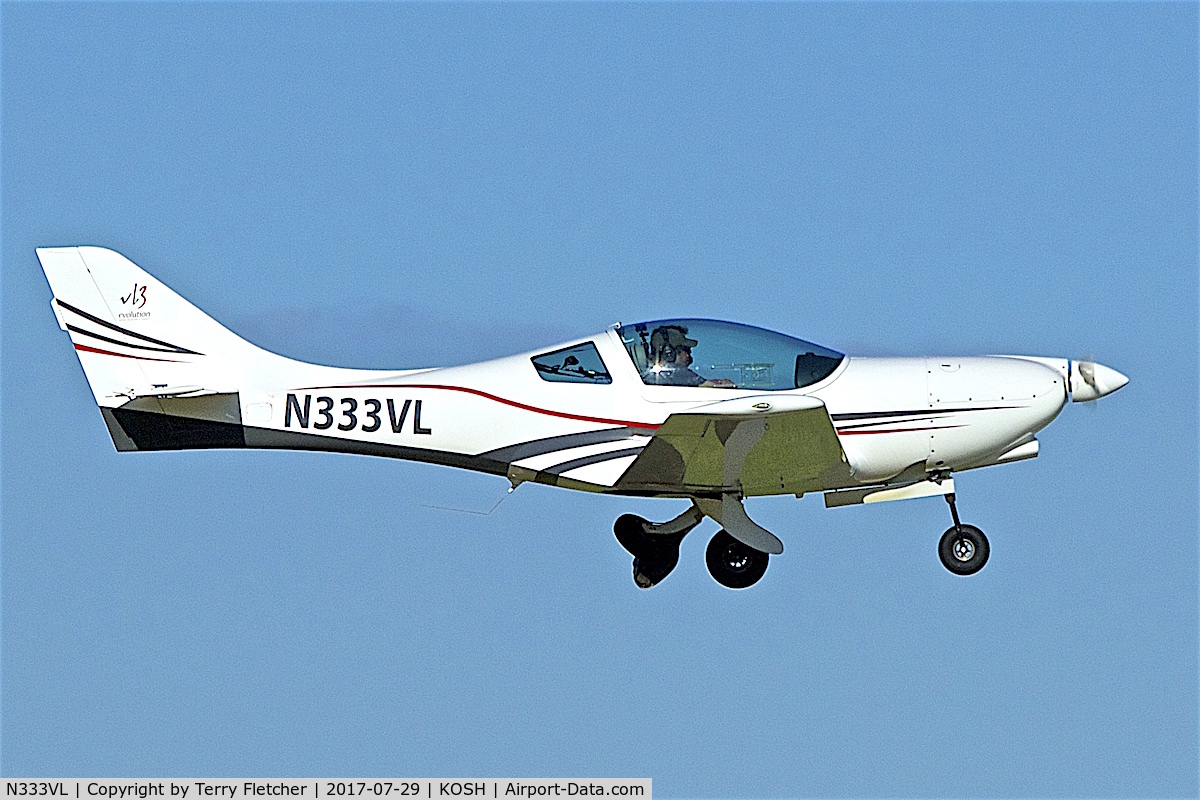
<point>654,547</point>
<point>737,555</point>
<point>963,548</point>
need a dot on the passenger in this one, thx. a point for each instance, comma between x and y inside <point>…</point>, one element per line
<point>671,358</point>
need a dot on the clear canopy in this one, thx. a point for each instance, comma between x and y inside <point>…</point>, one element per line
<point>705,352</point>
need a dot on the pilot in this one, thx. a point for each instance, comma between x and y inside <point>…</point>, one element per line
<point>671,357</point>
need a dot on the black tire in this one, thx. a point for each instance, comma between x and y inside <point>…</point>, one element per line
<point>654,554</point>
<point>965,552</point>
<point>733,564</point>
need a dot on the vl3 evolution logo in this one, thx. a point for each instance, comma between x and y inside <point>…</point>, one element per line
<point>135,301</point>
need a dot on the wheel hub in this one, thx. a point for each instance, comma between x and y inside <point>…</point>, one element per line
<point>736,558</point>
<point>964,549</point>
<point>733,564</point>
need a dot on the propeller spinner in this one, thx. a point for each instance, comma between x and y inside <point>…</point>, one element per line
<point>1090,381</point>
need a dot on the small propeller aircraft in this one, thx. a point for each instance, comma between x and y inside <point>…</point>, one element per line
<point>714,412</point>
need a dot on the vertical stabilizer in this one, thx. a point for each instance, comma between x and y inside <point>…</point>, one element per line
<point>134,336</point>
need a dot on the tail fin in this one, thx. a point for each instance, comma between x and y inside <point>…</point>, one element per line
<point>166,375</point>
<point>133,335</point>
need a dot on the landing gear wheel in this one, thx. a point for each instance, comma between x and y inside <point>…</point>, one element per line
<point>964,550</point>
<point>733,564</point>
<point>654,554</point>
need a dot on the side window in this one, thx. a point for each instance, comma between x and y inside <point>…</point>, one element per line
<point>812,367</point>
<point>578,364</point>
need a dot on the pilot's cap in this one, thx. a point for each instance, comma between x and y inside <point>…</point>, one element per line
<point>673,336</point>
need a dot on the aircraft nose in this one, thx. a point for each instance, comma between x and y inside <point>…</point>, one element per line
<point>1091,381</point>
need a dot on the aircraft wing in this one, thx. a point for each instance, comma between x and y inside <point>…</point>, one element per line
<point>760,445</point>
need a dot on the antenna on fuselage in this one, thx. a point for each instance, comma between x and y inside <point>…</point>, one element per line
<point>472,511</point>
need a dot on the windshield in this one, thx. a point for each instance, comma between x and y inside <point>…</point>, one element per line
<point>705,352</point>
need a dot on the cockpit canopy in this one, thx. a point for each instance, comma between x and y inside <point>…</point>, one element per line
<point>706,352</point>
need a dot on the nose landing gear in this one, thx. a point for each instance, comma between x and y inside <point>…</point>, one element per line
<point>963,548</point>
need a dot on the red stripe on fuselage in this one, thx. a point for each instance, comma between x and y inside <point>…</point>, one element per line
<point>513,403</point>
<point>897,430</point>
<point>87,349</point>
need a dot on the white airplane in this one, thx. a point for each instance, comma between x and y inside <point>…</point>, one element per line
<point>711,411</point>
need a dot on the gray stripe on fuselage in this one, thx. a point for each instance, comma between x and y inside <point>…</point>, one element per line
<point>596,458</point>
<point>921,412</point>
<point>893,422</point>
<point>540,447</point>
<point>269,439</point>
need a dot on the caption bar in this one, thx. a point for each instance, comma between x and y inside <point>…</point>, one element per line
<point>314,788</point>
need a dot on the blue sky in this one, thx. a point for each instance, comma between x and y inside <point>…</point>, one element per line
<point>396,185</point>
